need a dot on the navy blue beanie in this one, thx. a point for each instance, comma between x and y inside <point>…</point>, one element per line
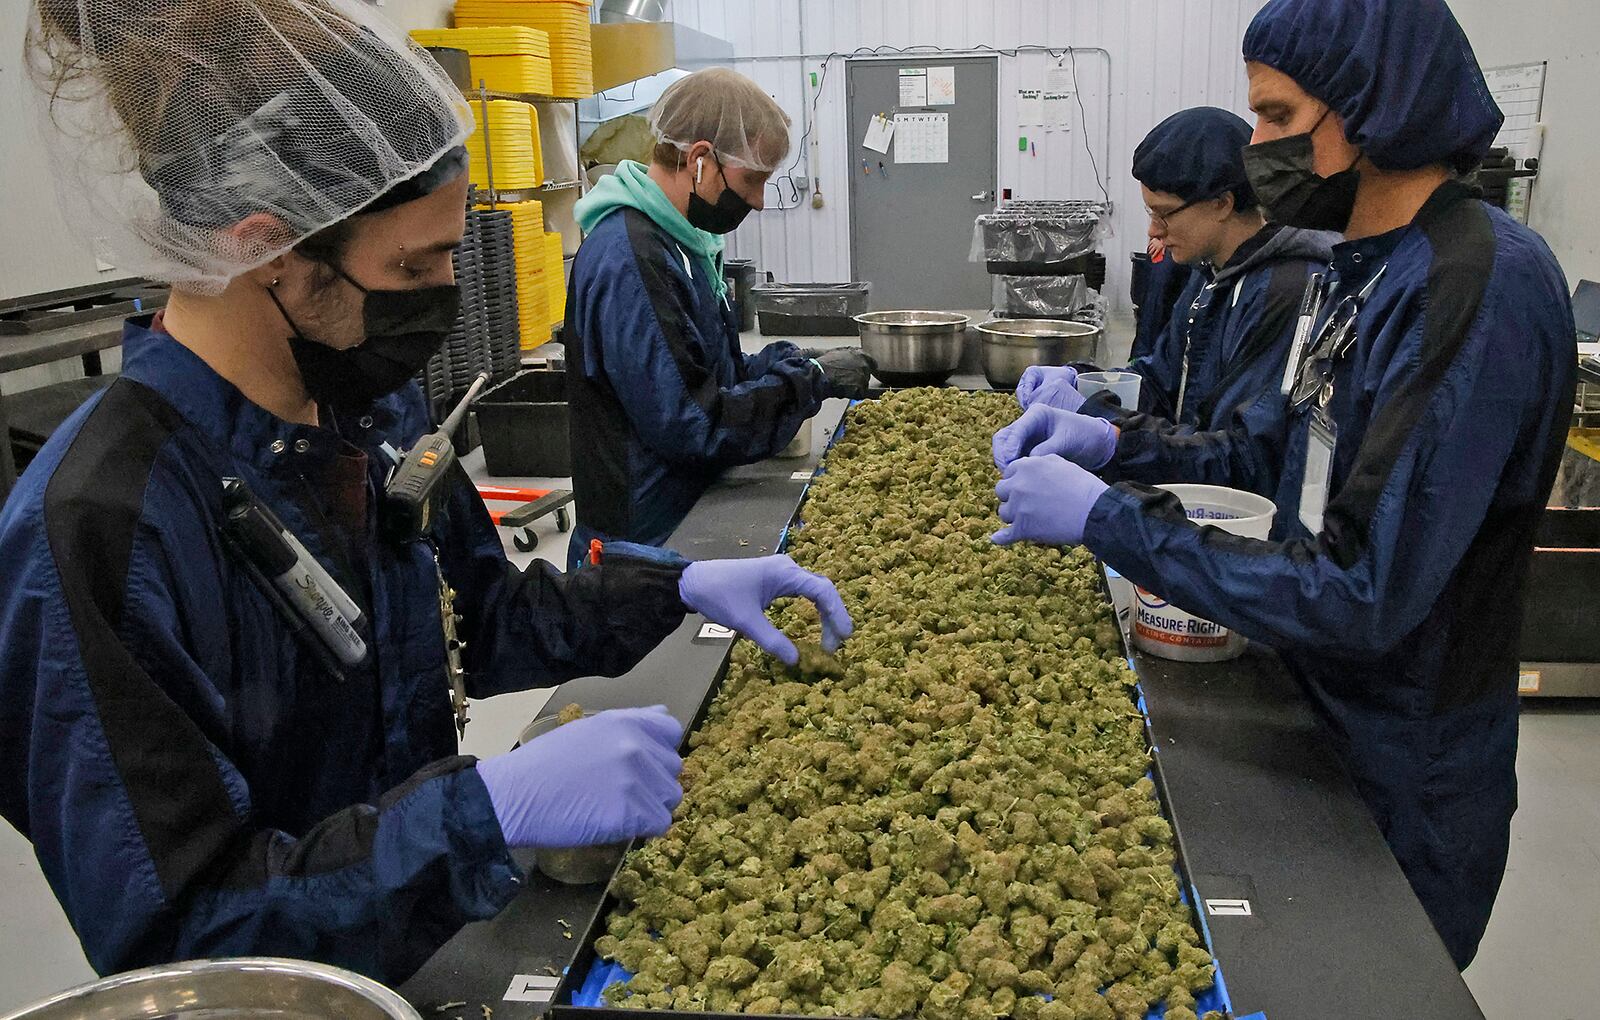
<point>1197,154</point>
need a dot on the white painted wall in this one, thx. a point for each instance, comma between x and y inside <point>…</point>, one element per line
<point>37,253</point>
<point>410,14</point>
<point>1164,55</point>
<point>1566,204</point>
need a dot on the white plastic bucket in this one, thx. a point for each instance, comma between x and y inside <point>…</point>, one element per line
<point>1124,384</point>
<point>1161,628</point>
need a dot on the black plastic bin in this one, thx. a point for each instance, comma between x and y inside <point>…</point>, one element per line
<point>523,425</point>
<point>810,309</point>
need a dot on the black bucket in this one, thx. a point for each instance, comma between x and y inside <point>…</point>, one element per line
<point>523,422</point>
<point>741,276</point>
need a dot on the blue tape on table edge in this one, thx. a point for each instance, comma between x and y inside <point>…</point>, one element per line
<point>605,973</point>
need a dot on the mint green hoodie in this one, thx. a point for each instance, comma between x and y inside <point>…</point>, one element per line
<point>631,187</point>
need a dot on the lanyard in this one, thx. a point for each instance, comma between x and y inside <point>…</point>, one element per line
<point>1333,341</point>
<point>1188,342</point>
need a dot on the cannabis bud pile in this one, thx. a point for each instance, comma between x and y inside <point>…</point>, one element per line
<point>948,819</point>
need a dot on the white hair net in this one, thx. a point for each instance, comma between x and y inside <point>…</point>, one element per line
<point>196,139</point>
<point>746,126</point>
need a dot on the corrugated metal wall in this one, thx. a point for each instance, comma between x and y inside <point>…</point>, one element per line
<point>1162,56</point>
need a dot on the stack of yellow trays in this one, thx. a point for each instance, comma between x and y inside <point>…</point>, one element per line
<point>513,135</point>
<point>555,278</point>
<point>565,21</point>
<point>533,297</point>
<point>506,59</point>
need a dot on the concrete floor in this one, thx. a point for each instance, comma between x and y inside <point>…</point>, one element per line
<point>1537,962</point>
<point>1538,958</point>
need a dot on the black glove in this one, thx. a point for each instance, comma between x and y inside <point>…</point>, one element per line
<point>846,372</point>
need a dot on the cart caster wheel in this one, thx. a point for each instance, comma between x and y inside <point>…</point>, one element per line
<point>563,520</point>
<point>526,540</point>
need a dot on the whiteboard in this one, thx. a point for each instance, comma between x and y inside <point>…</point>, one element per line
<point>1518,89</point>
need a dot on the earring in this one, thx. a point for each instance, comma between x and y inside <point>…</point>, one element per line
<point>274,282</point>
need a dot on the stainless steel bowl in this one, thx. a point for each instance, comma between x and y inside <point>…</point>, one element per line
<point>1011,345</point>
<point>913,348</point>
<point>581,865</point>
<point>245,987</point>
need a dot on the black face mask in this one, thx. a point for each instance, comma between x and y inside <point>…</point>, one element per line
<point>721,218</point>
<point>1292,193</point>
<point>403,329</point>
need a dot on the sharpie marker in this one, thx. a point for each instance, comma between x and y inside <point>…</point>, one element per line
<point>304,587</point>
<point>1310,305</point>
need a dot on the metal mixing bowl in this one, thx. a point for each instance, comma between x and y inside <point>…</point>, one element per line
<point>247,987</point>
<point>1010,346</point>
<point>582,865</point>
<point>913,348</point>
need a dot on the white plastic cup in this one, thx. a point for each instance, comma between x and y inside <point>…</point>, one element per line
<point>1161,628</point>
<point>800,445</point>
<point>1124,384</point>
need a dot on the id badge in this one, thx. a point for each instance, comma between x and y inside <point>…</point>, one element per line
<point>1324,436</point>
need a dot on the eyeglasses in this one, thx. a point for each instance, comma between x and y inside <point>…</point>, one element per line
<point>1162,219</point>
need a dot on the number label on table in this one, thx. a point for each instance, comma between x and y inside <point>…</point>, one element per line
<point>715,632</point>
<point>1228,908</point>
<point>532,988</point>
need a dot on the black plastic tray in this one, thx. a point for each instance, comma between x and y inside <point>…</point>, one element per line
<point>572,981</point>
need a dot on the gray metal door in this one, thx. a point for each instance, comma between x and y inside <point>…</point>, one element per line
<point>911,222</point>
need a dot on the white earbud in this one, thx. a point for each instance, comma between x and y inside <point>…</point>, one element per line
<point>699,168</point>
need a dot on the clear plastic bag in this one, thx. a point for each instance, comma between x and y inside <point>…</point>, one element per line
<point>1039,232</point>
<point>1093,313</point>
<point>1041,297</point>
<point>811,298</point>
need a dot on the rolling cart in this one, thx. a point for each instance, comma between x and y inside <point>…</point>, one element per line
<point>532,504</point>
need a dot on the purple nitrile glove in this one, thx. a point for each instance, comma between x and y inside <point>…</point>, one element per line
<point>1061,394</point>
<point>1045,500</point>
<point>1037,377</point>
<point>736,594</point>
<point>605,778</point>
<point>1043,431</point>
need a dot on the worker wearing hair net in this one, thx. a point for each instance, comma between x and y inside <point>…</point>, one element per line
<point>1228,341</point>
<point>1425,423</point>
<point>662,398</point>
<point>202,768</point>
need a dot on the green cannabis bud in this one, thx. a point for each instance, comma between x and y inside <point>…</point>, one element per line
<point>948,818</point>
